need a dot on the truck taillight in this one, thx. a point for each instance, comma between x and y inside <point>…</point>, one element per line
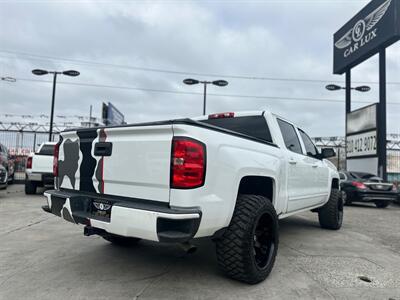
<point>55,160</point>
<point>188,163</point>
<point>29,162</point>
<point>221,115</point>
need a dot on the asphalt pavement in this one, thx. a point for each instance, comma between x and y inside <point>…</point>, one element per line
<point>44,257</point>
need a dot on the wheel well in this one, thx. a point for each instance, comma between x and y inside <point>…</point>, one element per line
<point>257,185</point>
<point>335,183</point>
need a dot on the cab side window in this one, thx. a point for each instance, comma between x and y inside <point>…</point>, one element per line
<point>308,144</point>
<point>290,136</point>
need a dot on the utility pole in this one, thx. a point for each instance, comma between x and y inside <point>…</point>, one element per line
<point>90,116</point>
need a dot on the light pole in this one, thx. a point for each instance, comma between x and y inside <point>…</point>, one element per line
<point>40,72</point>
<point>220,82</point>
<point>348,88</point>
<point>335,87</point>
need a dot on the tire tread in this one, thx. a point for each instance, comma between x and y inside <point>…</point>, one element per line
<point>233,247</point>
<point>327,214</point>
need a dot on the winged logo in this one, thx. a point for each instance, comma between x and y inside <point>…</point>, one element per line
<point>101,206</point>
<point>356,33</point>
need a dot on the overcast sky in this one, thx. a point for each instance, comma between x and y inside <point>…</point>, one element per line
<point>273,39</point>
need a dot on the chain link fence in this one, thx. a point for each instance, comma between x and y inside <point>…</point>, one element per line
<point>339,144</point>
<point>21,143</point>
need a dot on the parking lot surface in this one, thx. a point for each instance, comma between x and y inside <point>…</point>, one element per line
<point>44,257</point>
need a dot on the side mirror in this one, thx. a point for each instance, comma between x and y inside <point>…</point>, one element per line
<point>327,152</point>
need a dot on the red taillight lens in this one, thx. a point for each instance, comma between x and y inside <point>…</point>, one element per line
<point>188,163</point>
<point>359,185</point>
<point>221,115</point>
<point>29,162</point>
<point>55,160</point>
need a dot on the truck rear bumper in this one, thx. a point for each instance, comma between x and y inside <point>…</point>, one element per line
<point>130,217</point>
<point>47,179</point>
<point>369,196</point>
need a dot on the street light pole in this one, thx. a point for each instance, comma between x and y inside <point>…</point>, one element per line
<point>40,72</point>
<point>205,98</point>
<point>347,88</point>
<point>52,106</point>
<point>190,81</point>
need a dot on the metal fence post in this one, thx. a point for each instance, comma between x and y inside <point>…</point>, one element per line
<point>34,142</point>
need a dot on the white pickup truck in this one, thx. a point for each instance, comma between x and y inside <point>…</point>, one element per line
<point>228,176</point>
<point>39,168</point>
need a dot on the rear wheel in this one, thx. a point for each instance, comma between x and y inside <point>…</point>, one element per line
<point>30,187</point>
<point>331,214</point>
<point>382,204</point>
<point>247,249</point>
<point>121,240</point>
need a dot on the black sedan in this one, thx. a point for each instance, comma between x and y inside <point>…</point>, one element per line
<point>365,187</point>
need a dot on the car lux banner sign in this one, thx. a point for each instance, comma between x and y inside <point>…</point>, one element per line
<point>361,132</point>
<point>361,139</point>
<point>375,26</point>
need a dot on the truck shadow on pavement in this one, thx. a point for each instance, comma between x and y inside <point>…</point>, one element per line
<point>150,259</point>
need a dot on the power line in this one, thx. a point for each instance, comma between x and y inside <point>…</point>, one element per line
<point>159,70</point>
<point>197,93</point>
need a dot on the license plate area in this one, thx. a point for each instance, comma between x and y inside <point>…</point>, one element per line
<point>35,177</point>
<point>101,209</point>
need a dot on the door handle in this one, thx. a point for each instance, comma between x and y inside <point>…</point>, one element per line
<point>103,149</point>
<point>315,166</point>
<point>292,162</point>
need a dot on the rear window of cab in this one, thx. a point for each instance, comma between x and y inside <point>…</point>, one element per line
<point>254,126</point>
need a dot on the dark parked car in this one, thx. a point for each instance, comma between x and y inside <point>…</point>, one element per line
<point>366,187</point>
<point>3,178</point>
<point>6,162</point>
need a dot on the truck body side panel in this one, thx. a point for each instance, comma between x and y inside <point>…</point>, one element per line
<point>229,159</point>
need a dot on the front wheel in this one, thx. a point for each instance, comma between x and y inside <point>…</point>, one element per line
<point>382,204</point>
<point>331,214</point>
<point>247,249</point>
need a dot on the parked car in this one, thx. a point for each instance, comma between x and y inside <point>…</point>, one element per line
<point>3,178</point>
<point>228,176</point>
<point>7,162</point>
<point>39,168</point>
<point>397,184</point>
<point>366,187</point>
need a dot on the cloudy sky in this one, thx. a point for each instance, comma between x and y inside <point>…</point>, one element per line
<point>125,50</point>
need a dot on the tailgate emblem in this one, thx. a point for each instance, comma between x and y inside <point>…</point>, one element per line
<point>101,206</point>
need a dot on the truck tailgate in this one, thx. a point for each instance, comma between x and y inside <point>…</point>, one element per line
<point>137,165</point>
<point>42,163</point>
